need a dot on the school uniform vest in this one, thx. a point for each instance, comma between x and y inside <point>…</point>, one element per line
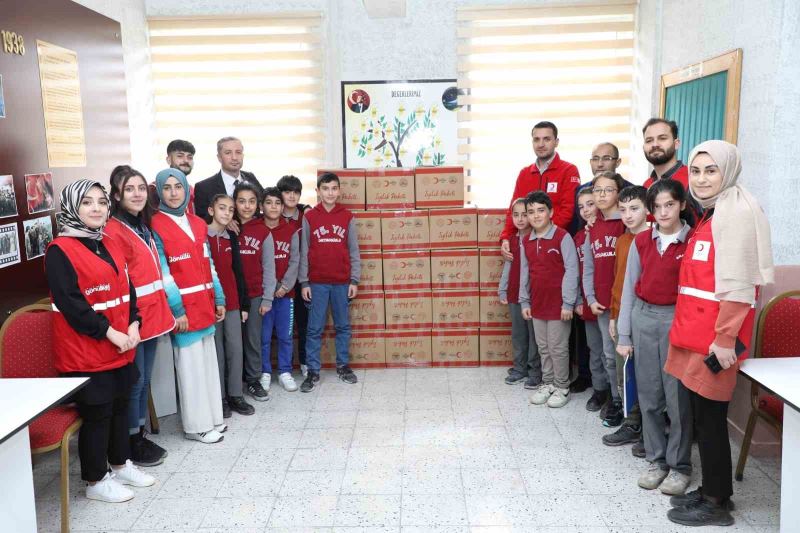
<point>108,293</point>
<point>697,308</point>
<point>546,272</point>
<point>603,239</point>
<point>580,238</point>
<point>328,251</point>
<point>251,237</point>
<point>144,269</point>
<point>222,254</point>
<point>513,274</point>
<point>658,282</point>
<point>282,240</point>
<point>298,224</point>
<point>190,267</point>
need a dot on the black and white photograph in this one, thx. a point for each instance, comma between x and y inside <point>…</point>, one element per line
<point>9,245</point>
<point>8,200</point>
<point>38,234</point>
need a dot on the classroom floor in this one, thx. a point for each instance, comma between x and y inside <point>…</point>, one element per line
<point>418,450</point>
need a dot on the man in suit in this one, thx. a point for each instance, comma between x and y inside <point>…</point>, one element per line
<point>230,154</point>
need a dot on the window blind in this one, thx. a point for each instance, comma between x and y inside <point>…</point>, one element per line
<point>571,65</point>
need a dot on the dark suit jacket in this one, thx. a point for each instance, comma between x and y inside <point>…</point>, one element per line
<point>207,189</point>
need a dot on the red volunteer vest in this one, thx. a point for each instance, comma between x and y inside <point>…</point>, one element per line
<point>546,272</point>
<point>144,270</point>
<point>282,240</point>
<point>222,254</point>
<point>658,282</point>
<point>580,238</point>
<point>328,252</point>
<point>603,239</point>
<point>108,293</point>
<point>190,267</point>
<point>514,272</point>
<point>250,240</point>
<point>697,308</point>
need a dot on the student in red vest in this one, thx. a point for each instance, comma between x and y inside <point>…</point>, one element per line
<point>285,239</point>
<point>258,267</point>
<point>95,333</point>
<point>727,258</point>
<point>547,295</point>
<point>228,333</point>
<point>330,267</point>
<point>599,253</point>
<point>649,293</point>
<point>197,302</point>
<point>129,228</point>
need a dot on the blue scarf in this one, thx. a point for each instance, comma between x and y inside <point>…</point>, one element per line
<point>161,179</point>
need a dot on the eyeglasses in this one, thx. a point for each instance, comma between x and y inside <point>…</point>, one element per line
<point>604,159</point>
<point>606,191</point>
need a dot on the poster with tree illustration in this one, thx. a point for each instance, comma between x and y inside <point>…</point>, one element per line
<point>399,123</point>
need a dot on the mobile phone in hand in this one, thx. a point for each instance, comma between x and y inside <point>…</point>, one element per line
<point>712,363</point>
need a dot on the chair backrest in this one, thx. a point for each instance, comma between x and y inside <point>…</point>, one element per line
<point>778,329</point>
<point>26,343</point>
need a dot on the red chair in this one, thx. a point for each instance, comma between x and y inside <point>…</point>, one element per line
<point>777,335</point>
<point>26,351</point>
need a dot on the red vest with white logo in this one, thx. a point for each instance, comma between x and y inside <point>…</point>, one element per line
<point>603,239</point>
<point>222,254</point>
<point>108,293</point>
<point>697,308</point>
<point>328,252</point>
<point>144,270</point>
<point>282,240</point>
<point>250,240</point>
<point>190,267</point>
<point>512,291</point>
<point>580,238</point>
<point>658,282</point>
<point>546,272</point>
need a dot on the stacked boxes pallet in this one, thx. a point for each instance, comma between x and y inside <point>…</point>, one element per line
<point>430,270</point>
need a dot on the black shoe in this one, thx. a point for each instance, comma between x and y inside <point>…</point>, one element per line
<point>514,378</point>
<point>598,399</point>
<point>637,450</point>
<point>580,385</point>
<point>510,370</point>
<point>258,393</point>
<point>347,375</point>
<point>614,415</point>
<point>695,496</point>
<point>532,384</point>
<point>701,513</point>
<point>624,435</point>
<point>226,409</point>
<point>144,455</point>
<point>238,404</point>
<point>308,384</point>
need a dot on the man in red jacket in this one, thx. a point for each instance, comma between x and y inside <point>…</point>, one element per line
<point>661,143</point>
<point>559,179</point>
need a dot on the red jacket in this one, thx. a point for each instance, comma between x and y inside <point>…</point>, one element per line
<point>222,254</point>
<point>580,238</point>
<point>658,281</point>
<point>680,174</point>
<point>282,240</point>
<point>559,181</point>
<point>108,293</point>
<point>251,237</point>
<point>328,252</point>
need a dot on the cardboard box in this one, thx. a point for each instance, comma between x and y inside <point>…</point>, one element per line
<point>490,225</point>
<point>368,225</point>
<point>368,349</point>
<point>493,313</point>
<point>406,270</point>
<point>454,269</point>
<point>352,186</point>
<point>366,313</point>
<point>390,188</point>
<point>405,230</point>
<point>439,187</point>
<point>495,347</point>
<point>371,272</point>
<point>490,267</point>
<point>408,310</point>
<point>454,228</point>
<point>455,347</point>
<point>456,309</point>
<point>408,348</point>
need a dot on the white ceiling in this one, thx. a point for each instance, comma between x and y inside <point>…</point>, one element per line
<point>385,9</point>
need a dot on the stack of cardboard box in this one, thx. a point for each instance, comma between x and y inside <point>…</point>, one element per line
<point>430,271</point>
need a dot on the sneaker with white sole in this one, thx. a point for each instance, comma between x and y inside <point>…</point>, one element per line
<point>304,370</point>
<point>221,428</point>
<point>207,437</point>
<point>652,477</point>
<point>265,380</point>
<point>287,382</point>
<point>675,483</point>
<point>129,474</point>
<point>542,394</point>
<point>109,490</point>
<point>559,398</point>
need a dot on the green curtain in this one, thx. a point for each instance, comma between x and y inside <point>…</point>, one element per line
<point>698,106</point>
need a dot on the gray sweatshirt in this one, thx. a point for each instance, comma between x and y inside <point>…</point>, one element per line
<point>352,246</point>
<point>588,265</point>
<point>569,282</point>
<point>290,277</point>
<point>268,280</point>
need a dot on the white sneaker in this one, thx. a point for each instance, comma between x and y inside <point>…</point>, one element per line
<point>559,398</point>
<point>652,477</point>
<point>131,475</point>
<point>207,437</point>
<point>304,370</point>
<point>265,381</point>
<point>109,490</point>
<point>675,483</point>
<point>542,394</point>
<point>287,382</point>
<point>222,428</point>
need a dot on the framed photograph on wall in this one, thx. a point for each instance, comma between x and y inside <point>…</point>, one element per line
<point>9,245</point>
<point>38,234</point>
<point>39,189</point>
<point>8,200</point>
<point>407,123</point>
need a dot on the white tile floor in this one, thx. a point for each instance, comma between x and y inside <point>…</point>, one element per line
<point>418,450</point>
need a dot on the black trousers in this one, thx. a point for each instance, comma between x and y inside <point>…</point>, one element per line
<point>579,348</point>
<point>711,425</point>
<point>301,320</point>
<point>103,438</point>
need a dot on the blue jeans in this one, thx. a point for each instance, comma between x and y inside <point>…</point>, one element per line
<point>279,318</point>
<point>321,296</point>
<point>137,406</point>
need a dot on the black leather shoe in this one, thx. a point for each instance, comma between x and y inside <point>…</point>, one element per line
<point>238,404</point>
<point>580,385</point>
<point>597,400</point>
<point>701,513</point>
<point>637,450</point>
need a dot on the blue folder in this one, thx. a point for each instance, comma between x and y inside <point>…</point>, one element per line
<point>631,396</point>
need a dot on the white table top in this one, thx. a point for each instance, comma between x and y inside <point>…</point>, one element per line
<point>24,399</point>
<point>780,375</point>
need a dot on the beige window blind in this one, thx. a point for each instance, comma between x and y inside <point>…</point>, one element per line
<point>519,65</point>
<point>258,78</point>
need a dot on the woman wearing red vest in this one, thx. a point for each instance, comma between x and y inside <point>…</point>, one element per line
<point>95,331</point>
<point>727,258</point>
<point>128,227</point>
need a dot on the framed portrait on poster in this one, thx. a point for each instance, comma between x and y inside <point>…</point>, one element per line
<point>9,245</point>
<point>8,200</point>
<point>39,189</point>
<point>38,234</point>
<point>408,123</point>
